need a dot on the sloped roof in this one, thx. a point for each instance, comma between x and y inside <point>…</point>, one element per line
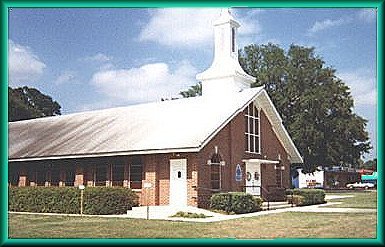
<point>183,125</point>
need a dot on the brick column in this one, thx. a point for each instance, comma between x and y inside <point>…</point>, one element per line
<point>79,176</point>
<point>149,194</point>
<point>22,177</point>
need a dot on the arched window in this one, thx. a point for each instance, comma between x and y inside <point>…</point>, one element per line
<point>215,171</point>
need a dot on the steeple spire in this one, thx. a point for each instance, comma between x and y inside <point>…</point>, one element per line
<point>225,74</point>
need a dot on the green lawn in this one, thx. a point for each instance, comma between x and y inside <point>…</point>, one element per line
<point>282,225</point>
<point>367,199</point>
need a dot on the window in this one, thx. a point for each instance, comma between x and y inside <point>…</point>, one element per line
<point>13,176</point>
<point>55,176</point>
<point>252,129</point>
<point>233,39</point>
<point>69,175</point>
<point>40,176</point>
<point>136,173</point>
<point>100,175</point>
<point>117,174</point>
<point>215,171</point>
<point>215,176</point>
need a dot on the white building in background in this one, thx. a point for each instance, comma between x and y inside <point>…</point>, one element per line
<point>309,180</point>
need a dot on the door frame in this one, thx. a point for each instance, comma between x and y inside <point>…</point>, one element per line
<point>178,187</point>
<point>258,162</point>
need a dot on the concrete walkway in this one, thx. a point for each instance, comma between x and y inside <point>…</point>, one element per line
<point>164,212</point>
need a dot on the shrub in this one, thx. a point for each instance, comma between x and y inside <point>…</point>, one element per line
<point>295,199</point>
<point>237,202</point>
<point>310,196</point>
<point>97,200</point>
<point>108,200</point>
<point>44,199</point>
<point>189,215</point>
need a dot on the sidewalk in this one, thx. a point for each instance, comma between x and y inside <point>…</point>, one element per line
<point>164,212</point>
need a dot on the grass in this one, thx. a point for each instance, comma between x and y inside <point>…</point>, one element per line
<point>271,226</point>
<point>366,199</point>
<point>282,225</point>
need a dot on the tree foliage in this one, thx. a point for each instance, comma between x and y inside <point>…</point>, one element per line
<point>370,164</point>
<point>315,105</point>
<point>193,91</point>
<point>26,103</point>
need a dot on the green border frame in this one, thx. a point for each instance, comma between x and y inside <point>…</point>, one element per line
<point>5,4</point>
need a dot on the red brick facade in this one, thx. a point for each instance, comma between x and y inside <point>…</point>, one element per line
<point>229,141</point>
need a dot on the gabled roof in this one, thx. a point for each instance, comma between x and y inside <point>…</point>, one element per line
<point>183,125</point>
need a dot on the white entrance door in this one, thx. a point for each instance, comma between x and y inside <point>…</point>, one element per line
<point>178,182</point>
<point>253,178</point>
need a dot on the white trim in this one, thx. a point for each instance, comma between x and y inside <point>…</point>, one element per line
<point>156,151</point>
<point>278,125</point>
<point>261,161</point>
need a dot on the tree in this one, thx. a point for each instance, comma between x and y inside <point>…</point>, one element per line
<point>193,91</point>
<point>315,105</point>
<point>370,165</point>
<point>26,103</point>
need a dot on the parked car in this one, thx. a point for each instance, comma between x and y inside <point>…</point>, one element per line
<point>360,185</point>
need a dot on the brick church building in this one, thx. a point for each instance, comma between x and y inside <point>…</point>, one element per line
<point>176,152</point>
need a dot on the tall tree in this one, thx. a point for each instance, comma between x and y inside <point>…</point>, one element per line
<point>26,103</point>
<point>315,105</point>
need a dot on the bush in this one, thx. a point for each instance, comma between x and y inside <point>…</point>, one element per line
<point>236,202</point>
<point>189,215</point>
<point>108,200</point>
<point>44,199</point>
<point>310,196</point>
<point>295,199</point>
<point>67,200</point>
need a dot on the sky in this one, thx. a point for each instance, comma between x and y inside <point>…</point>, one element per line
<point>95,58</point>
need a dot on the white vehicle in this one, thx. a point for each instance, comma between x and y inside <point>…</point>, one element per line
<point>360,185</point>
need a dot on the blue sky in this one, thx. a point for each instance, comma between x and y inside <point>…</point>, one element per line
<point>93,58</point>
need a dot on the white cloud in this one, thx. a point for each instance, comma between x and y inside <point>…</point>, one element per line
<point>367,15</point>
<point>24,66</point>
<point>99,57</point>
<point>147,83</point>
<point>362,85</point>
<point>189,27</point>
<point>327,24</point>
<point>65,77</point>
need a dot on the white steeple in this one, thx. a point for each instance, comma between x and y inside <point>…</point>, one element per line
<point>225,76</point>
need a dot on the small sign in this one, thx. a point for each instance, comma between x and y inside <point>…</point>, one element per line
<point>238,173</point>
<point>147,185</point>
<point>81,187</point>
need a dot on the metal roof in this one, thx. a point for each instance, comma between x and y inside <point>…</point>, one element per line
<point>183,125</point>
